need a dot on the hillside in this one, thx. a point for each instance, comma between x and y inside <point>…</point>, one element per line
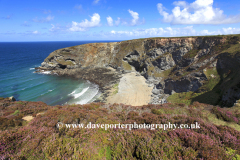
<point>185,69</point>
<point>218,135</point>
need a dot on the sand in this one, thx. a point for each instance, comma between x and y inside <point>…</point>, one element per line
<point>132,90</point>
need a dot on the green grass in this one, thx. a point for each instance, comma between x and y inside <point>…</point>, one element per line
<point>63,62</point>
<point>19,102</point>
<point>213,79</point>
<point>126,65</point>
<point>192,53</point>
<point>232,152</point>
<point>184,97</point>
<point>232,50</point>
<point>213,119</point>
<point>164,74</point>
<point>208,93</point>
<point>16,112</point>
<point>115,88</point>
<point>175,111</point>
<point>213,36</point>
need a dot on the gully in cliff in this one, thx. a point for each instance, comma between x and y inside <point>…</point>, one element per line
<point>171,65</point>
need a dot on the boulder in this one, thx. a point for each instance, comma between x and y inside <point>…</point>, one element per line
<point>12,98</point>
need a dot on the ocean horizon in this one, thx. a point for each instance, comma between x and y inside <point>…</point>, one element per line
<point>17,67</point>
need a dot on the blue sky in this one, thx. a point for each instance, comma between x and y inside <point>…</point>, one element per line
<point>77,20</point>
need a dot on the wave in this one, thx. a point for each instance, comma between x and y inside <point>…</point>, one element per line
<point>90,97</point>
<point>31,68</point>
<point>45,72</point>
<point>72,93</point>
<point>47,92</point>
<point>81,93</point>
<point>11,90</point>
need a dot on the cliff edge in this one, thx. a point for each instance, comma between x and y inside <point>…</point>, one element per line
<point>185,69</point>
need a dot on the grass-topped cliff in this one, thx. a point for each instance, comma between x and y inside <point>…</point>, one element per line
<point>217,138</point>
<point>182,69</point>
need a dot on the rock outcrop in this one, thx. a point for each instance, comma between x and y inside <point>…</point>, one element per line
<point>171,65</point>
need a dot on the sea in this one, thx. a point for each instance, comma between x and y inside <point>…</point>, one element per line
<point>18,78</point>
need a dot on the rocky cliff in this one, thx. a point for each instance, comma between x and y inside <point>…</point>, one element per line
<point>201,69</point>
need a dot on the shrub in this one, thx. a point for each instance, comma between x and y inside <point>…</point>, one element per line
<point>224,115</point>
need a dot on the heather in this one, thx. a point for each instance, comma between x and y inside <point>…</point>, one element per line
<point>217,138</point>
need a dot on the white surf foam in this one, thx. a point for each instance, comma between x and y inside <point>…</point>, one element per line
<point>72,92</point>
<point>31,68</point>
<point>89,98</point>
<point>45,72</point>
<point>81,93</point>
<point>50,90</point>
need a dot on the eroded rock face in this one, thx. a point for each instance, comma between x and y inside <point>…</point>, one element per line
<point>185,84</point>
<point>230,96</point>
<point>185,57</point>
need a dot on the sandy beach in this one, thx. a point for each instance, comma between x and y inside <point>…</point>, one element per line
<point>132,90</point>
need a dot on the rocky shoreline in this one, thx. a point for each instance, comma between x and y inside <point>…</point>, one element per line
<point>169,65</point>
<point>105,78</point>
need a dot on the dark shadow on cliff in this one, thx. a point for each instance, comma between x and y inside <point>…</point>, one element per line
<point>227,91</point>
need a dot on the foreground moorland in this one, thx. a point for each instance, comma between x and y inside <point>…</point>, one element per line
<point>217,138</point>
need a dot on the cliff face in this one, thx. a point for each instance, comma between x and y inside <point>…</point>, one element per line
<point>173,65</point>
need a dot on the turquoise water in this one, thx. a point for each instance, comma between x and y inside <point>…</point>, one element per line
<point>17,77</point>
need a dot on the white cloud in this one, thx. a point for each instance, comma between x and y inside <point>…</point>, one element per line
<point>84,25</point>
<point>79,7</point>
<point>172,32</point>
<point>110,21</point>
<point>35,32</point>
<point>42,20</point>
<point>198,12</point>
<point>57,28</point>
<point>231,30</point>
<point>155,32</point>
<point>54,28</point>
<point>45,11</point>
<point>49,18</point>
<point>222,31</point>
<point>135,17</point>
<point>135,20</point>
<point>25,24</point>
<point>117,22</point>
<point>7,17</point>
<point>95,1</point>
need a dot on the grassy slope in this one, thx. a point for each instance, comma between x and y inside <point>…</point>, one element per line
<point>217,138</point>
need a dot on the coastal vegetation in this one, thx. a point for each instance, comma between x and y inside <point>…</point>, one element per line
<point>115,89</point>
<point>196,79</point>
<point>126,66</point>
<point>217,138</point>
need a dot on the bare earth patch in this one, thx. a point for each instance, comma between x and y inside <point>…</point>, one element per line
<point>132,90</point>
<point>29,118</point>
